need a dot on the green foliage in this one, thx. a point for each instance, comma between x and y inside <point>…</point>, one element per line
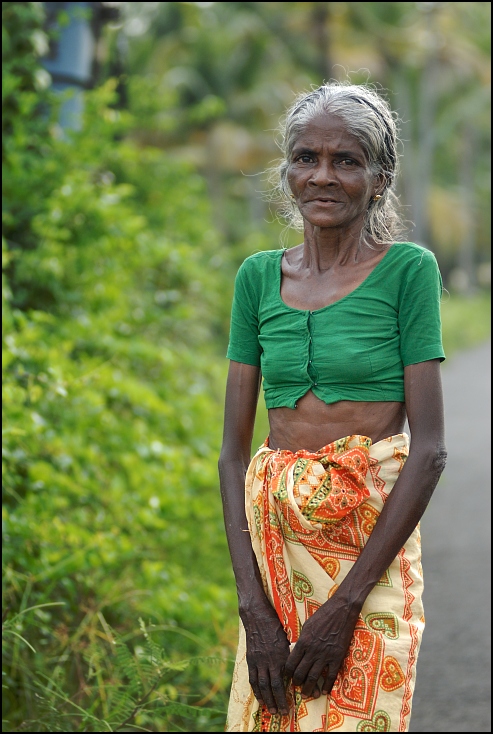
<point>112,390</point>
<point>127,687</point>
<point>466,321</point>
<point>22,41</point>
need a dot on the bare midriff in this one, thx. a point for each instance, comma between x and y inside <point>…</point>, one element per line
<point>314,424</point>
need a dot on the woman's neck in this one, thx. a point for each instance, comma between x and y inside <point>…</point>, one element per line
<point>326,248</point>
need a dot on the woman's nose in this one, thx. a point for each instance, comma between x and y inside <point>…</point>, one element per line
<point>322,174</point>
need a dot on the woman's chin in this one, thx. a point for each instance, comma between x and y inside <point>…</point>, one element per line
<point>326,220</point>
<point>326,223</point>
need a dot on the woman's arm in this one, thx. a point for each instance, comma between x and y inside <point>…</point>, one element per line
<point>267,644</point>
<point>326,635</point>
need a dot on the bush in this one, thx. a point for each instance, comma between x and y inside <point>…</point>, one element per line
<point>112,406</point>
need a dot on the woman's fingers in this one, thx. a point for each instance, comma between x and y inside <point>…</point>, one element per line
<point>253,679</point>
<point>269,686</point>
<point>317,691</point>
<point>266,691</point>
<point>279,691</point>
<point>269,689</point>
<point>299,665</point>
<point>309,685</point>
<point>329,681</point>
<point>305,672</point>
<point>293,661</point>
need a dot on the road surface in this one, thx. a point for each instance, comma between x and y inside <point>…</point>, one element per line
<point>453,674</point>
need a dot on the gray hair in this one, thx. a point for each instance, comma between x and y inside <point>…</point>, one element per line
<point>369,118</point>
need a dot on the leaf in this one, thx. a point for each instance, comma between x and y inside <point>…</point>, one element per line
<point>16,634</point>
<point>183,709</point>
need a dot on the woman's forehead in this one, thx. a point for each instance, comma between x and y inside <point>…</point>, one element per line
<point>326,128</point>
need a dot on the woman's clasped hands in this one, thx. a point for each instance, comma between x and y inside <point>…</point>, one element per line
<point>314,661</point>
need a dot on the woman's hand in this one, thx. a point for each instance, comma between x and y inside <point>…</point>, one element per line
<point>267,651</point>
<point>322,647</point>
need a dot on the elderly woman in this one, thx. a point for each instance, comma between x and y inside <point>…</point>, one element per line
<point>324,538</point>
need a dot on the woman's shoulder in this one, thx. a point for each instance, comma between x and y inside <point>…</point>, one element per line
<point>264,255</point>
<point>259,262</point>
<point>410,252</point>
<point>407,259</point>
<point>411,268</point>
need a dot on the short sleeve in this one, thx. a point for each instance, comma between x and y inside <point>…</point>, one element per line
<point>243,337</point>
<point>419,311</point>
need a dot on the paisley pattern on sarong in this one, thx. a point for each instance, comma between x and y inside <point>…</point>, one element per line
<point>310,514</point>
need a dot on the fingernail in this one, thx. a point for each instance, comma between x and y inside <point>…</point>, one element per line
<point>272,711</point>
<point>316,694</point>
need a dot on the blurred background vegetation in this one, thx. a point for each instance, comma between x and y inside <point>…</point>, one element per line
<point>131,194</point>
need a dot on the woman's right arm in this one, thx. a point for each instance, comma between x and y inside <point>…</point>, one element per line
<point>267,644</point>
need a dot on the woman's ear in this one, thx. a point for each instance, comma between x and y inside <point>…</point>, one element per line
<point>380,184</point>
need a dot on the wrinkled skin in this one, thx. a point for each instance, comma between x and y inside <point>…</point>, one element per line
<point>322,647</point>
<point>267,653</point>
<point>333,185</point>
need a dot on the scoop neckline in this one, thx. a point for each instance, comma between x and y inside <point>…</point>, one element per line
<point>339,300</point>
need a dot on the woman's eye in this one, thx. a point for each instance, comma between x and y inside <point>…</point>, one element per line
<point>347,161</point>
<point>305,158</point>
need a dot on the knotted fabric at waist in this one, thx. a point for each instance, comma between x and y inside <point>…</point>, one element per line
<point>324,486</point>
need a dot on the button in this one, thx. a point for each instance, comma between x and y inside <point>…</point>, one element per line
<point>310,361</point>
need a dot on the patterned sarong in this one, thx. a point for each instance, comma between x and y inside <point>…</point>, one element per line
<point>310,514</point>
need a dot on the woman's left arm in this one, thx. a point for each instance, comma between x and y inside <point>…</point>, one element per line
<point>327,634</point>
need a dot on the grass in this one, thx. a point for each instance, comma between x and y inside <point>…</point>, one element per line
<point>466,321</point>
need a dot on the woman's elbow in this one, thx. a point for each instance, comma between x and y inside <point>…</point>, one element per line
<point>439,459</point>
<point>434,460</point>
<point>431,458</point>
<point>222,462</point>
<point>230,459</point>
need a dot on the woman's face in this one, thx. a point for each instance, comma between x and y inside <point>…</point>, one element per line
<point>329,175</point>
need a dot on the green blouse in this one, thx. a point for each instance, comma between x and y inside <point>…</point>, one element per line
<point>353,349</point>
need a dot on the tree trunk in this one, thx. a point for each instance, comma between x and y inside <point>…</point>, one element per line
<point>424,146</point>
<point>466,178</point>
<point>320,25</point>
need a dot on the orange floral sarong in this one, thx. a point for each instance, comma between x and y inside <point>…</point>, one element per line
<point>310,514</point>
